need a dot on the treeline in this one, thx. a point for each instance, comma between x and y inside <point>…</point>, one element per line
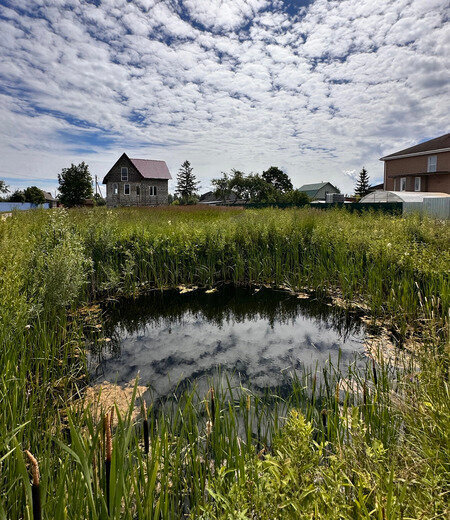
<point>272,186</point>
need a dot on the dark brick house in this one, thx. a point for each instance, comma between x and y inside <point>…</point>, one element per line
<point>423,167</point>
<point>137,182</point>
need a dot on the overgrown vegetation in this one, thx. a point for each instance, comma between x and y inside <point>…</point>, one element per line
<point>360,445</point>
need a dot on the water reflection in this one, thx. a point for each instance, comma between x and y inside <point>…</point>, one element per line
<point>260,337</point>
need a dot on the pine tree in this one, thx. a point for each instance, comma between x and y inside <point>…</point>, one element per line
<point>186,182</point>
<point>362,184</point>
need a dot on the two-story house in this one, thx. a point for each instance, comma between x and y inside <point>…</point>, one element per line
<point>423,167</point>
<point>137,182</point>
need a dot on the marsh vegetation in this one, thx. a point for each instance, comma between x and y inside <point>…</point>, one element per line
<point>365,443</point>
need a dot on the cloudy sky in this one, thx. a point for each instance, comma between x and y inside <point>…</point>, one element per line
<point>317,87</point>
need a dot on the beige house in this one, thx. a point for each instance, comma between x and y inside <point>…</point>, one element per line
<point>424,167</point>
<point>137,182</point>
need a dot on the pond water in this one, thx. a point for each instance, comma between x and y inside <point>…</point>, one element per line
<point>259,337</point>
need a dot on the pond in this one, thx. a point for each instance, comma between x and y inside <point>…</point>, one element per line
<point>257,337</point>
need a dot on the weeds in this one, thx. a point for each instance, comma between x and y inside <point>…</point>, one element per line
<point>378,450</point>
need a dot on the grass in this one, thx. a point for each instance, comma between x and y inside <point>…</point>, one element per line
<point>379,451</point>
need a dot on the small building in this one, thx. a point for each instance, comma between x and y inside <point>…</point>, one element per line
<point>431,203</point>
<point>424,167</point>
<point>318,191</point>
<point>137,182</point>
<point>50,200</point>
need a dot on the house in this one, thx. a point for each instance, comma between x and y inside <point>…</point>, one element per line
<point>424,167</point>
<point>212,200</point>
<point>318,191</point>
<point>137,182</point>
<point>50,200</point>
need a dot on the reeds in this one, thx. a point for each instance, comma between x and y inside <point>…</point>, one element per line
<point>386,440</point>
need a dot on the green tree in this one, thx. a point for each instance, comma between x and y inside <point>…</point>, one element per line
<point>34,195</point>
<point>99,200</point>
<point>362,184</point>
<point>187,184</point>
<point>222,188</point>
<point>297,197</point>
<point>278,179</point>
<point>75,185</point>
<point>17,196</point>
<point>3,187</point>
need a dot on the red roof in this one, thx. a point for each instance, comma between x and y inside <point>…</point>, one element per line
<point>150,169</point>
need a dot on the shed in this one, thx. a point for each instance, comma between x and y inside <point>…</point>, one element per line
<point>319,190</point>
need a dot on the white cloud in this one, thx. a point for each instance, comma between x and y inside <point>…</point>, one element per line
<point>321,94</point>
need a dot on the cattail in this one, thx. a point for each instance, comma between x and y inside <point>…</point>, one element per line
<point>324,422</point>
<point>213,405</point>
<point>108,456</point>
<point>146,430</point>
<point>248,403</point>
<point>35,489</point>
<point>374,370</point>
<point>364,393</point>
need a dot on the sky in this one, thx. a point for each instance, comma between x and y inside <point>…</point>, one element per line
<point>319,88</point>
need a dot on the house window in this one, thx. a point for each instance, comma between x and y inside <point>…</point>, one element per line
<point>153,190</point>
<point>126,189</point>
<point>417,184</point>
<point>403,184</point>
<point>138,191</point>
<point>432,163</point>
<point>115,189</point>
<point>124,173</point>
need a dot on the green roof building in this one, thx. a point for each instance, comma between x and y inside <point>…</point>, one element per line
<point>319,190</point>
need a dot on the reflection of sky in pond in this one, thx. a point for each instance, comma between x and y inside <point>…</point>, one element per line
<point>259,347</point>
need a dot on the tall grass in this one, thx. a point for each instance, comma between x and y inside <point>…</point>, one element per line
<point>378,451</point>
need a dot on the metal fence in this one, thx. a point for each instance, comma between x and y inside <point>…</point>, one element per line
<point>436,207</point>
<point>21,206</point>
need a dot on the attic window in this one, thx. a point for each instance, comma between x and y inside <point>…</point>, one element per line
<point>124,173</point>
<point>432,163</point>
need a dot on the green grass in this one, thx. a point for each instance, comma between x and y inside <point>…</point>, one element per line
<point>380,451</point>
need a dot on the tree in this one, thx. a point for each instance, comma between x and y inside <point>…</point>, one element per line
<point>17,196</point>
<point>187,184</point>
<point>362,184</point>
<point>99,200</point>
<point>222,188</point>
<point>34,195</point>
<point>3,187</point>
<point>278,179</point>
<point>297,197</point>
<point>75,185</point>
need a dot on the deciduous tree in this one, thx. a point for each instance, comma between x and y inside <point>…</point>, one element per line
<point>75,185</point>
<point>278,179</point>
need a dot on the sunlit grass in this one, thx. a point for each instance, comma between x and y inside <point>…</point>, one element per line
<point>380,451</point>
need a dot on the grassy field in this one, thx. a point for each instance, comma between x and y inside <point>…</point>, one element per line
<point>378,451</point>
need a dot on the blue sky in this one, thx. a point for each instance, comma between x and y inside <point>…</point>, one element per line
<point>319,88</point>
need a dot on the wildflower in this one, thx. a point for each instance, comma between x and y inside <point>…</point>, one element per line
<point>28,327</point>
<point>389,244</point>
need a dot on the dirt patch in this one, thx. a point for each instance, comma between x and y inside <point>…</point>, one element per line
<point>104,396</point>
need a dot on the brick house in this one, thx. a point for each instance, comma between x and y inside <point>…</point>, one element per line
<point>424,167</point>
<point>137,182</point>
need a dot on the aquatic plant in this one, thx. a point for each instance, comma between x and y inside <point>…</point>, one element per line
<point>379,450</point>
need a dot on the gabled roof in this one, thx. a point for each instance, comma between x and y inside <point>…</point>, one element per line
<point>49,197</point>
<point>148,168</point>
<point>312,189</point>
<point>441,143</point>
